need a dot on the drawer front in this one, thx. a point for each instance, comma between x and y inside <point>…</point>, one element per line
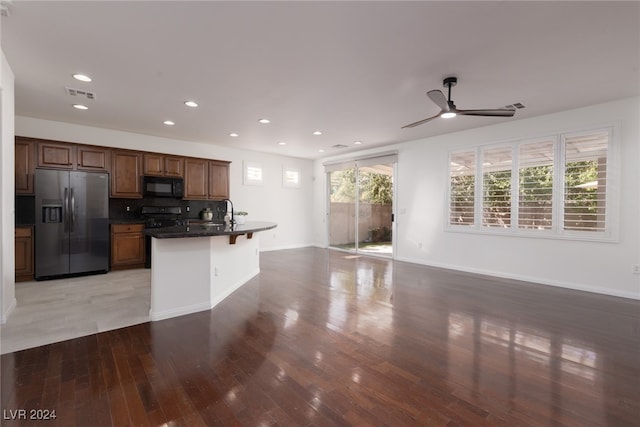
<point>126,228</point>
<point>24,231</point>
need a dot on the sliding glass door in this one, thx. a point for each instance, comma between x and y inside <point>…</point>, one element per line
<point>361,205</point>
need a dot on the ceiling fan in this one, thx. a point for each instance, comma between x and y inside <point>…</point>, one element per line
<point>448,109</point>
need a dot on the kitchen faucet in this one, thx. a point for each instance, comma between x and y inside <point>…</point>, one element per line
<point>231,220</point>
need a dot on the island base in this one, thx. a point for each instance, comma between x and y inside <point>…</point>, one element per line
<point>189,275</point>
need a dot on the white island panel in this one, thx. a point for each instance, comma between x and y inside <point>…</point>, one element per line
<point>194,274</point>
<point>181,273</point>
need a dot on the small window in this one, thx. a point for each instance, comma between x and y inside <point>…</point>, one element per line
<point>290,177</point>
<point>462,181</point>
<point>252,173</point>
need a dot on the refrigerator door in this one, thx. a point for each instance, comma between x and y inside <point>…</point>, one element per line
<point>51,228</point>
<point>89,222</point>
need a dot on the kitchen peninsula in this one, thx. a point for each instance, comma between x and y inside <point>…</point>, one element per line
<point>197,265</point>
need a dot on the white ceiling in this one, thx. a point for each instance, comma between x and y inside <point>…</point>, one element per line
<point>354,70</point>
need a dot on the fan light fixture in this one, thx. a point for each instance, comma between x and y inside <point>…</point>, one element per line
<point>448,115</point>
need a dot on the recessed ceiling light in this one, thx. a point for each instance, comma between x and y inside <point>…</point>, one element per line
<point>264,121</point>
<point>357,142</point>
<point>169,123</point>
<point>191,104</point>
<point>282,143</point>
<point>234,135</point>
<point>317,132</point>
<point>321,151</point>
<point>80,107</point>
<point>82,78</point>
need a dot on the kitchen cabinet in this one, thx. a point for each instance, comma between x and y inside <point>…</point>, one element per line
<point>218,180</point>
<point>23,254</point>
<point>196,179</point>
<point>126,174</point>
<point>56,155</point>
<point>127,246</point>
<point>161,165</point>
<point>24,165</point>
<point>206,179</point>
<point>93,158</point>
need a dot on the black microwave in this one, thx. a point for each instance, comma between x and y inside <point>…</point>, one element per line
<point>160,186</point>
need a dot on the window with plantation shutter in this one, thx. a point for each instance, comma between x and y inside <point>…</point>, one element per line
<point>496,186</point>
<point>585,181</point>
<point>462,178</point>
<point>553,186</point>
<point>535,184</point>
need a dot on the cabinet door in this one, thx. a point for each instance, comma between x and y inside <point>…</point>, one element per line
<point>127,246</point>
<point>218,180</point>
<point>153,164</point>
<point>24,165</point>
<point>93,158</point>
<point>174,166</point>
<point>56,155</point>
<point>23,254</point>
<point>196,179</point>
<point>125,174</point>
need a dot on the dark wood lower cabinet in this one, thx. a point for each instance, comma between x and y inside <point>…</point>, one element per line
<point>127,246</point>
<point>24,254</point>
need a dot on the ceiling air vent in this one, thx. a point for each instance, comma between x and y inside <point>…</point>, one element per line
<point>79,92</point>
<point>339,146</point>
<point>515,105</point>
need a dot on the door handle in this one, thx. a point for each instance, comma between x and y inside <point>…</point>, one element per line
<point>65,210</point>
<point>73,211</point>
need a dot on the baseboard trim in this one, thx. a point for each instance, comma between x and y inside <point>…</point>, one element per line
<point>180,311</point>
<point>523,278</point>
<point>235,287</point>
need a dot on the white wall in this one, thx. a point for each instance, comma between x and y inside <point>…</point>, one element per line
<point>421,192</point>
<point>288,207</point>
<point>7,226</point>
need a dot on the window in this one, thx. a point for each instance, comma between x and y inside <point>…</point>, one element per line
<point>462,179</point>
<point>252,173</point>
<point>535,184</point>
<point>552,186</point>
<point>290,177</point>
<point>496,186</point>
<point>585,181</point>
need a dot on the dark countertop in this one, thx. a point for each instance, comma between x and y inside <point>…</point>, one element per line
<point>126,221</point>
<point>200,229</point>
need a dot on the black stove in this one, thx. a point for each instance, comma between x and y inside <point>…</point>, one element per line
<point>157,217</point>
<point>161,216</point>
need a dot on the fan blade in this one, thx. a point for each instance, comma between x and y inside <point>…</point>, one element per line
<point>412,125</point>
<point>439,99</point>
<point>500,112</point>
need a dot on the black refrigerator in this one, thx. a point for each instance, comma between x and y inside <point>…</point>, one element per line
<point>72,223</point>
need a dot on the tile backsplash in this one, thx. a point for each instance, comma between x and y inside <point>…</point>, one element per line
<point>129,209</point>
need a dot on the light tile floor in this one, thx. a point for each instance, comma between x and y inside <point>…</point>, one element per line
<point>57,310</point>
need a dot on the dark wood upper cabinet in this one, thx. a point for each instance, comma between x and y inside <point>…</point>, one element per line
<point>24,165</point>
<point>196,179</point>
<point>93,158</point>
<point>173,166</point>
<point>126,168</point>
<point>161,165</point>
<point>56,155</point>
<point>218,180</point>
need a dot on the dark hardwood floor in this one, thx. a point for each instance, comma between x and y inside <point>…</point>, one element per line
<point>326,338</point>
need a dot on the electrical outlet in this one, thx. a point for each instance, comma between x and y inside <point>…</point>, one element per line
<point>215,271</point>
<point>128,208</point>
<point>188,208</point>
<point>635,268</point>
